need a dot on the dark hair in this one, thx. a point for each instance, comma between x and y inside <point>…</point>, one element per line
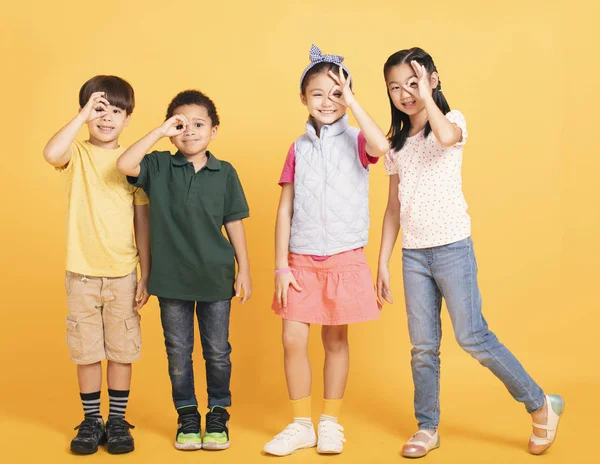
<point>323,67</point>
<point>117,91</point>
<point>400,126</point>
<point>194,97</point>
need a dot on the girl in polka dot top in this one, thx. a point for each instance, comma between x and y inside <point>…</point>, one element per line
<point>438,261</point>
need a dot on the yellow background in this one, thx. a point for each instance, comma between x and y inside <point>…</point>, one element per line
<point>525,74</point>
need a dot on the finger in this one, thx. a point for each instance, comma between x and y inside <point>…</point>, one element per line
<point>143,301</point>
<point>335,78</point>
<point>284,297</point>
<point>334,89</point>
<point>347,83</point>
<point>295,284</point>
<point>279,299</point>
<point>247,293</point>
<point>238,287</point>
<point>387,293</point>
<point>102,100</point>
<point>379,292</point>
<point>416,67</point>
<point>410,90</point>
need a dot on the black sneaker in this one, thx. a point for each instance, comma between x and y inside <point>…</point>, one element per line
<point>90,434</point>
<point>217,433</point>
<point>188,435</point>
<point>118,438</point>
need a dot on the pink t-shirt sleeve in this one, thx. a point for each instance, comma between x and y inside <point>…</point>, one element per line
<point>289,167</point>
<point>365,158</point>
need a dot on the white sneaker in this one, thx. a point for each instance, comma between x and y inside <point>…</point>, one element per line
<point>292,438</point>
<point>331,437</point>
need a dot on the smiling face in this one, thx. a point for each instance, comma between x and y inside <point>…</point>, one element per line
<point>199,132</point>
<point>316,98</point>
<point>396,78</point>
<point>105,131</point>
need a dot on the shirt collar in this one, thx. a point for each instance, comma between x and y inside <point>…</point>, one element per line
<point>331,130</point>
<point>212,163</point>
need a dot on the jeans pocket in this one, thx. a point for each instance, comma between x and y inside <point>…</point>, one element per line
<point>463,244</point>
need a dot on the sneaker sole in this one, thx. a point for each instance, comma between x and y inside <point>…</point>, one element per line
<point>188,446</point>
<point>329,451</point>
<point>83,450</point>
<point>305,446</point>
<point>119,449</point>
<point>76,450</point>
<point>215,446</point>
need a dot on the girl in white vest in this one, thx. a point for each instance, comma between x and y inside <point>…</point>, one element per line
<point>321,274</point>
<point>438,261</point>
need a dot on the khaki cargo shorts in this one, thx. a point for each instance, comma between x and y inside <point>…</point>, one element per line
<point>102,322</point>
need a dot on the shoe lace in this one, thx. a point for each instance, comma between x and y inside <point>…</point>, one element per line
<point>119,426</point>
<point>288,432</point>
<point>215,422</point>
<point>190,423</point>
<point>331,430</point>
<point>87,428</point>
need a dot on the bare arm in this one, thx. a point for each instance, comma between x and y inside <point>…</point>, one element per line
<point>389,235</point>
<point>377,143</point>
<point>446,132</point>
<point>129,162</point>
<point>141,225</point>
<point>57,151</point>
<point>237,237</point>
<point>283,228</point>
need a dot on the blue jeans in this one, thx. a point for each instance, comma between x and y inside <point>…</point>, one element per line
<point>450,271</point>
<point>177,318</point>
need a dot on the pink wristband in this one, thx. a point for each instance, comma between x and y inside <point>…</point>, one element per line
<point>283,270</point>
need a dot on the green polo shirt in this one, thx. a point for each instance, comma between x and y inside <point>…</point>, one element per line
<point>191,258</point>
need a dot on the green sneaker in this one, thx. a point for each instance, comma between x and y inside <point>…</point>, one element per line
<point>216,436</point>
<point>188,432</point>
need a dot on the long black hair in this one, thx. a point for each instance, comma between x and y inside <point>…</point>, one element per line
<point>400,126</point>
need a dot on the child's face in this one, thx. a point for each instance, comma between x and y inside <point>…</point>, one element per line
<point>396,78</point>
<point>107,129</point>
<point>316,99</point>
<point>198,133</point>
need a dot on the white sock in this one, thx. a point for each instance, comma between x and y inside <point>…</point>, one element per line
<point>305,421</point>
<point>325,417</point>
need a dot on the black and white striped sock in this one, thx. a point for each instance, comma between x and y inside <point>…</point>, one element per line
<point>91,405</point>
<point>118,402</point>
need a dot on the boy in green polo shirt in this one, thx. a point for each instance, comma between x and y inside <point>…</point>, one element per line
<point>192,196</point>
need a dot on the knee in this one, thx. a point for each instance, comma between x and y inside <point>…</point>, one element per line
<point>335,342</point>
<point>294,341</point>
<point>476,340</point>
<point>422,352</point>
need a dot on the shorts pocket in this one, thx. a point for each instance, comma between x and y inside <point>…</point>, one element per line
<point>133,334</point>
<point>73,339</point>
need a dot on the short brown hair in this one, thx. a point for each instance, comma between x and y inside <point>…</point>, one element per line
<point>117,91</point>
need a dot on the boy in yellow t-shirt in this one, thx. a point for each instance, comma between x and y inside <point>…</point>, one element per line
<point>103,292</point>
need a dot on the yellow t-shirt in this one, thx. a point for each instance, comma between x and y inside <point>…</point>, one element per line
<point>99,216</point>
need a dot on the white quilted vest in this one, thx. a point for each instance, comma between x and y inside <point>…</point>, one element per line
<point>331,192</point>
